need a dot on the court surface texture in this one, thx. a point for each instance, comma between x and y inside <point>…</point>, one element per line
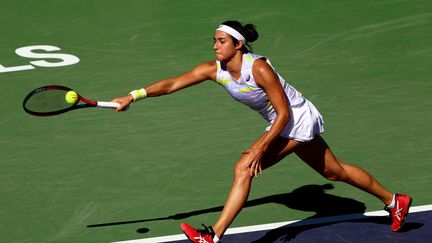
<point>94,175</point>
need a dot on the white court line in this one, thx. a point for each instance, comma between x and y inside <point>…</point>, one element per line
<point>271,226</point>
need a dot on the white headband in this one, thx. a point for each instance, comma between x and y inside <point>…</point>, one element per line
<point>234,33</point>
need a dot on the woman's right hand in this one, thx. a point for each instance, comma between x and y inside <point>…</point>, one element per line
<point>124,102</point>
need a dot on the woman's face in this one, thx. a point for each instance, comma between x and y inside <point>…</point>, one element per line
<point>224,46</point>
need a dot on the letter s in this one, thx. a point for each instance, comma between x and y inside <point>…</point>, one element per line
<point>27,51</point>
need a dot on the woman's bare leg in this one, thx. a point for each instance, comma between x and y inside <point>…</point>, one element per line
<point>318,155</point>
<point>242,182</point>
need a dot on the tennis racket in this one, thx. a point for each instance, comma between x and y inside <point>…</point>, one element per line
<point>51,100</point>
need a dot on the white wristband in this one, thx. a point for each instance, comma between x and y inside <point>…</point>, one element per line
<point>138,94</point>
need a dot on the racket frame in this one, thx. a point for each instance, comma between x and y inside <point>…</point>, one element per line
<point>87,102</point>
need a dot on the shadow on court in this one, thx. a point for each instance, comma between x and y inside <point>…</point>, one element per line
<point>336,219</point>
<point>311,198</point>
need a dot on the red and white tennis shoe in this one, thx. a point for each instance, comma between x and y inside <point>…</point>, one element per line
<point>399,212</point>
<point>198,235</point>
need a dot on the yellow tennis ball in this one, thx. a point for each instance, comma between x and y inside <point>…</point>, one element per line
<point>71,97</point>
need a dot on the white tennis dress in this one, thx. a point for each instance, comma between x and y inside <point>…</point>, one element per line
<point>305,120</point>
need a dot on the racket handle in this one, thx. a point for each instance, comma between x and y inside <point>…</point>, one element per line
<point>103,104</point>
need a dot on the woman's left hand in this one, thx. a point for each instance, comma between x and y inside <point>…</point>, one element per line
<point>254,165</point>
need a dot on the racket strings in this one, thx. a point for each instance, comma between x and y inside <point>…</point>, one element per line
<point>47,101</point>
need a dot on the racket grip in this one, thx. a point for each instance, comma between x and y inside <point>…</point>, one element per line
<point>103,104</point>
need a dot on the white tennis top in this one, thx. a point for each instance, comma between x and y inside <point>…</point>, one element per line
<point>246,91</point>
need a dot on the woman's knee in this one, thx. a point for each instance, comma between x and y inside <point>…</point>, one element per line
<point>330,175</point>
<point>241,170</point>
<point>335,174</point>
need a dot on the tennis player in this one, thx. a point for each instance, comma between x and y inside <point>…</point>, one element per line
<point>295,125</point>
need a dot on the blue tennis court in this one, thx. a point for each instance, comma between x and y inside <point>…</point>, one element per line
<point>367,227</point>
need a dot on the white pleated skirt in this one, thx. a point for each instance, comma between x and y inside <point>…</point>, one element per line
<point>305,122</point>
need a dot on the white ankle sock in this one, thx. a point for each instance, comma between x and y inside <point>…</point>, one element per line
<point>216,239</point>
<point>392,204</point>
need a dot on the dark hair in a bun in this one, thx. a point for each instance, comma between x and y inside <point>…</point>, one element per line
<point>248,31</point>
